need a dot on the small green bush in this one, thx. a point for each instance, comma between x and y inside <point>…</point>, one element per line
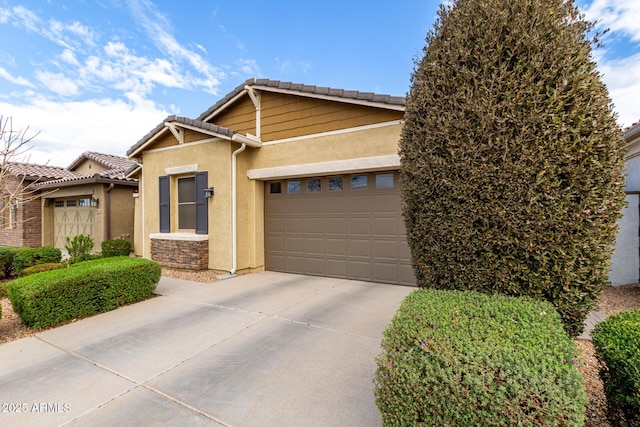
<point>38,268</point>
<point>79,245</point>
<point>27,257</point>
<point>453,358</point>
<point>617,346</point>
<point>3,290</point>
<point>52,297</point>
<point>116,247</point>
<point>6,260</point>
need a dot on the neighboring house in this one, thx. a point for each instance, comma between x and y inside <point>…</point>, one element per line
<point>625,263</point>
<point>21,218</point>
<point>97,200</point>
<point>277,176</point>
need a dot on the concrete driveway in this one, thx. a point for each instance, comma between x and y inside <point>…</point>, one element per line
<point>263,349</point>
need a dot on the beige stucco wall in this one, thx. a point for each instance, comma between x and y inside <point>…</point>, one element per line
<point>370,142</point>
<point>89,167</point>
<point>122,215</point>
<point>215,158</point>
<point>121,206</point>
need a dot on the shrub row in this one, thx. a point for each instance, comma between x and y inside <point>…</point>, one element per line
<point>14,259</point>
<point>115,247</point>
<point>49,298</point>
<point>617,346</point>
<point>466,358</point>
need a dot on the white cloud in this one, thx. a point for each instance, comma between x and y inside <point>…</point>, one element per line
<point>620,16</point>
<point>620,69</point>
<point>15,80</point>
<point>67,129</point>
<point>156,25</point>
<point>621,78</point>
<point>58,83</point>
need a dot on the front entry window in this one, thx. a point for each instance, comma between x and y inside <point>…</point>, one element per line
<point>187,203</point>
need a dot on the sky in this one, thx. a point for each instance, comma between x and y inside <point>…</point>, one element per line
<point>98,75</point>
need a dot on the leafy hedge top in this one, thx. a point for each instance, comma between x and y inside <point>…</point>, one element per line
<point>511,159</point>
<point>466,358</point>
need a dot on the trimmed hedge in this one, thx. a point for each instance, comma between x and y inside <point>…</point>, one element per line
<point>115,247</point>
<point>27,257</point>
<point>6,259</point>
<point>512,163</point>
<point>49,298</point>
<point>470,359</point>
<point>39,268</point>
<point>617,346</point>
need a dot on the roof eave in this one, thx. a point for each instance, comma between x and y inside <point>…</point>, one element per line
<point>86,181</point>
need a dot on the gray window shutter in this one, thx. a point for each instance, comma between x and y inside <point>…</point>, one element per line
<point>165,205</point>
<point>202,212</point>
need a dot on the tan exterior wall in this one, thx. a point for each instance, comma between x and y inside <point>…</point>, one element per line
<point>380,141</point>
<point>287,116</point>
<point>282,117</point>
<point>213,157</point>
<point>137,225</point>
<point>121,212</point>
<point>89,167</point>
<point>241,118</point>
<point>122,215</point>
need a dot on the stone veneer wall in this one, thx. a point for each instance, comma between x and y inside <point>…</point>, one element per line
<point>185,254</point>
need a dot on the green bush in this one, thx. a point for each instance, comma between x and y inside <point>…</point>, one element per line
<point>38,268</point>
<point>49,298</point>
<point>79,245</point>
<point>511,157</point>
<point>116,247</point>
<point>453,358</point>
<point>3,290</point>
<point>617,347</point>
<point>27,257</point>
<point>6,260</point>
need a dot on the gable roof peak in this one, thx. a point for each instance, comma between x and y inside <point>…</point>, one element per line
<point>335,94</point>
<point>109,161</point>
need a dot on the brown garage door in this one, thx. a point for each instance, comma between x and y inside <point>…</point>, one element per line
<point>346,226</point>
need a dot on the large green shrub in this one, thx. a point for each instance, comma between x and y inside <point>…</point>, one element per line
<point>511,158</point>
<point>617,346</point>
<point>115,247</point>
<point>27,257</point>
<point>6,260</point>
<point>453,358</point>
<point>48,298</point>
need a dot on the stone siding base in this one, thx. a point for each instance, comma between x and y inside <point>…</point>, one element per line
<point>185,254</point>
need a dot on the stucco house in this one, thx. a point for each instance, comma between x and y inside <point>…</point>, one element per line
<point>96,200</point>
<point>277,176</point>
<point>625,263</point>
<point>21,216</point>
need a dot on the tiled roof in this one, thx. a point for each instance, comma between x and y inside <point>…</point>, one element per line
<point>298,88</point>
<point>118,168</point>
<point>107,160</point>
<point>42,172</point>
<point>112,175</point>
<point>185,121</point>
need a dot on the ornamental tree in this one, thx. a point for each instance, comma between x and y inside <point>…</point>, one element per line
<point>511,158</point>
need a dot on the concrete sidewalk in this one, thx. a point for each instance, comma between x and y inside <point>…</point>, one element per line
<point>264,349</point>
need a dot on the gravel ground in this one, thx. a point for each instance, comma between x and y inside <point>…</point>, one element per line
<point>612,300</point>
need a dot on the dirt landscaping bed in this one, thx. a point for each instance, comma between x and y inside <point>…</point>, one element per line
<point>612,300</point>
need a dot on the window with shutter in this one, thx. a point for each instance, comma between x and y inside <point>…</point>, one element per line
<point>165,205</point>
